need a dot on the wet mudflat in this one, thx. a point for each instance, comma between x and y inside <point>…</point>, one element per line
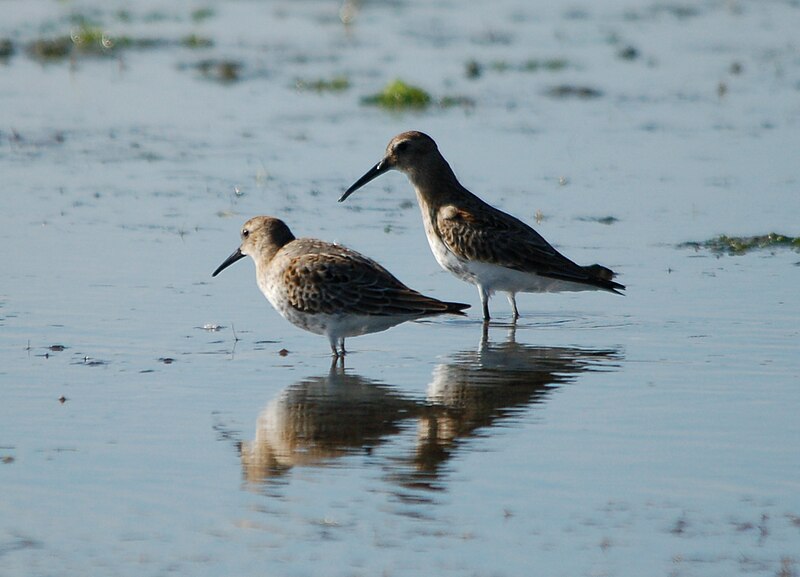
<point>156,421</point>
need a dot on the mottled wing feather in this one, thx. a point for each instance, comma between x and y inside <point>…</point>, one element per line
<point>489,235</point>
<point>343,281</point>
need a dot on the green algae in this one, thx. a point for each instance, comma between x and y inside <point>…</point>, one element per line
<point>398,95</point>
<point>90,37</point>
<point>335,84</point>
<point>452,101</point>
<point>87,39</point>
<point>195,41</point>
<point>738,245</point>
<point>87,36</point>
<point>46,49</point>
<point>201,14</point>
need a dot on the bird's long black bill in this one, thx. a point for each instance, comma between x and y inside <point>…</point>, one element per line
<point>372,174</point>
<point>237,255</point>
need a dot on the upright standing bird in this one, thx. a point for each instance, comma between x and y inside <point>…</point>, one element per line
<point>328,289</point>
<point>475,241</point>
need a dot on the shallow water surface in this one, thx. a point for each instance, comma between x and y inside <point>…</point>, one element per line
<point>155,421</point>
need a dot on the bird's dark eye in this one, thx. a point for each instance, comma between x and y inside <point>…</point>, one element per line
<point>245,233</point>
<point>401,146</point>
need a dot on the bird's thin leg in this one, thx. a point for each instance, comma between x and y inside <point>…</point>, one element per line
<point>512,334</point>
<point>512,298</point>
<point>333,347</point>
<point>484,294</point>
<point>337,362</point>
<point>342,352</point>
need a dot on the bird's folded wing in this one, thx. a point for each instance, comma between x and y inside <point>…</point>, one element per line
<point>491,236</point>
<point>352,284</point>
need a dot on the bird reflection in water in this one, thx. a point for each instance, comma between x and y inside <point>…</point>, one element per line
<point>321,419</point>
<point>478,389</point>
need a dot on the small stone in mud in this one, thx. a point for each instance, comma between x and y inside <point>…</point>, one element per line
<point>474,69</point>
<point>56,348</point>
<point>166,360</point>
<point>549,64</point>
<point>607,220</point>
<point>283,352</point>
<point>6,48</point>
<point>570,91</point>
<point>628,53</point>
<point>7,459</point>
<point>679,528</point>
<point>225,71</point>
<point>62,399</point>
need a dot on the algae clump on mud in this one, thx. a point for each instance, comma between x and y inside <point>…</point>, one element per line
<point>737,245</point>
<point>335,84</point>
<point>86,40</point>
<point>398,95</point>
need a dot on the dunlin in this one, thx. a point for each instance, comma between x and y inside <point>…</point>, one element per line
<point>328,289</point>
<point>475,241</point>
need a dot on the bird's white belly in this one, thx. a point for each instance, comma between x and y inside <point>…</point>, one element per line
<point>338,325</point>
<point>341,325</point>
<point>493,277</point>
<point>447,260</point>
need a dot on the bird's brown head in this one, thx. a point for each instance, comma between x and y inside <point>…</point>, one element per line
<point>262,237</point>
<point>413,153</point>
